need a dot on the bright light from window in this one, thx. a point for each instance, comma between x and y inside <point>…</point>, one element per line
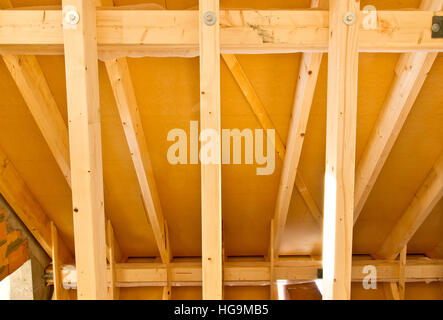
<point>281,287</point>
<point>319,283</point>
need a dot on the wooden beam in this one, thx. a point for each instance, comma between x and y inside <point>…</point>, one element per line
<point>113,258</point>
<point>122,32</point>
<point>32,84</point>
<point>129,111</point>
<point>402,273</point>
<point>340,151</point>
<point>28,209</point>
<point>306,83</point>
<point>272,285</point>
<point>257,272</point>
<point>211,172</point>
<point>57,262</point>
<point>411,72</point>
<point>266,123</point>
<point>85,150</point>
<point>421,206</point>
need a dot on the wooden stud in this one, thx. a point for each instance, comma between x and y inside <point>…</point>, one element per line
<point>421,206</point>
<point>340,151</point>
<point>85,149</point>
<point>402,273</point>
<point>167,290</point>
<point>411,72</point>
<point>59,292</point>
<point>114,290</point>
<point>211,173</point>
<point>272,282</point>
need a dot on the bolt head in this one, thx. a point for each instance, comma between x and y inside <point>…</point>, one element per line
<point>72,17</point>
<point>436,27</point>
<point>209,18</point>
<point>349,18</point>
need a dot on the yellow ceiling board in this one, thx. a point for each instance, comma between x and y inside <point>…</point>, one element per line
<point>417,148</point>
<point>430,234</point>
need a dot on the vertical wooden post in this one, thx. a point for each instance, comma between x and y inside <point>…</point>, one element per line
<point>272,285</point>
<point>114,290</point>
<point>340,148</point>
<point>167,290</point>
<point>80,43</point>
<point>402,273</point>
<point>56,264</point>
<point>211,172</point>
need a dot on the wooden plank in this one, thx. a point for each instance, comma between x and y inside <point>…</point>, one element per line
<point>114,291</point>
<point>272,284</point>
<point>57,262</point>
<point>28,209</point>
<point>257,272</point>
<point>419,209</point>
<point>211,170</point>
<point>340,151</point>
<point>266,123</point>
<point>122,32</point>
<point>411,72</point>
<point>124,94</point>
<point>32,84</point>
<point>402,273</point>
<point>304,93</point>
<point>85,150</point>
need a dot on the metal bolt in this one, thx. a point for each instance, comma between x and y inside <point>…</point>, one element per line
<point>209,18</point>
<point>72,17</point>
<point>349,18</point>
<point>436,27</point>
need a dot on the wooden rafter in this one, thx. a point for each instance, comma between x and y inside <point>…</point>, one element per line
<point>419,209</point>
<point>129,111</point>
<point>266,123</point>
<point>32,84</point>
<point>242,31</point>
<point>211,172</point>
<point>85,149</point>
<point>411,72</point>
<point>28,209</point>
<point>341,126</point>
<point>306,83</point>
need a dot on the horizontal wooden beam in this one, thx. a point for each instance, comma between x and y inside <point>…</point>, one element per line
<point>257,273</point>
<point>169,32</point>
